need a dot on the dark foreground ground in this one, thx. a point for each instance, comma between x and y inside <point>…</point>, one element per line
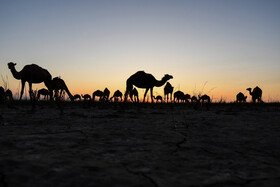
<point>140,145</point>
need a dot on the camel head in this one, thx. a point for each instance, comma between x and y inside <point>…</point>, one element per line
<point>250,90</point>
<point>11,65</point>
<point>167,77</point>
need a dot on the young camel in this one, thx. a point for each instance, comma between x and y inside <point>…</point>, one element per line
<point>144,80</point>
<point>135,97</point>
<point>158,98</point>
<point>32,74</point>
<point>168,89</point>
<point>43,92</point>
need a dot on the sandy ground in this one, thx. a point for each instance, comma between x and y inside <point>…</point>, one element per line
<point>119,144</point>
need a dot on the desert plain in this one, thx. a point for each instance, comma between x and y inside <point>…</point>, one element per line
<point>137,144</point>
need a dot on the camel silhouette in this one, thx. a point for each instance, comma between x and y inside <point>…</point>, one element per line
<point>9,95</point>
<point>187,97</point>
<point>168,89</point>
<point>241,98</point>
<point>32,74</point>
<point>194,99</point>
<point>43,92</point>
<point>179,96</point>
<point>117,94</point>
<point>76,96</point>
<point>256,94</point>
<point>59,84</point>
<point>97,93</point>
<point>144,80</point>
<point>86,97</point>
<point>106,94</point>
<point>204,98</point>
<point>158,98</point>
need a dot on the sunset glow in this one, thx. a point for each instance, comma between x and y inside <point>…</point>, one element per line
<point>215,47</point>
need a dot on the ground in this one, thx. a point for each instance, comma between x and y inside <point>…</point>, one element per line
<point>120,144</point>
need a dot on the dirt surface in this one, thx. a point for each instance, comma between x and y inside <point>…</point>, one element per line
<point>119,144</point>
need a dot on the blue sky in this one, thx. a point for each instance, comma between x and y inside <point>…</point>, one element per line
<point>230,45</point>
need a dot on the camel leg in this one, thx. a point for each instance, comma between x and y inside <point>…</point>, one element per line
<point>152,98</point>
<point>145,94</point>
<point>30,91</point>
<point>22,89</point>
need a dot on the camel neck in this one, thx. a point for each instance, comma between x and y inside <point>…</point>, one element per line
<point>160,83</point>
<point>15,73</point>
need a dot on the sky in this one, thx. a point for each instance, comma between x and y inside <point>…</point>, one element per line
<point>214,47</point>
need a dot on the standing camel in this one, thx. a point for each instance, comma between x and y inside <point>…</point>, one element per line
<point>168,89</point>
<point>144,80</point>
<point>241,98</point>
<point>256,94</point>
<point>32,74</point>
<point>59,84</point>
<point>97,93</point>
<point>135,95</point>
<point>106,94</point>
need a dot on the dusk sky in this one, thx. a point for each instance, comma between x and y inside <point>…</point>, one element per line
<point>225,45</point>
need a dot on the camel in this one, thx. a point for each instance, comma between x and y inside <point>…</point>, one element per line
<point>43,92</point>
<point>194,99</point>
<point>134,94</point>
<point>241,98</point>
<point>106,94</point>
<point>168,89</point>
<point>144,80</point>
<point>117,95</point>
<point>86,97</point>
<point>76,96</point>
<point>158,98</point>
<point>179,96</point>
<point>97,93</point>
<point>204,98</point>
<point>32,74</point>
<point>187,97</point>
<point>59,84</point>
<point>256,94</point>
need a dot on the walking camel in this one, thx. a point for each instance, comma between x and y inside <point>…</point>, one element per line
<point>32,74</point>
<point>144,80</point>
<point>256,94</point>
<point>97,93</point>
<point>168,89</point>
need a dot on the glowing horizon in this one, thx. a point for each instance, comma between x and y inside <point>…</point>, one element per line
<point>230,46</point>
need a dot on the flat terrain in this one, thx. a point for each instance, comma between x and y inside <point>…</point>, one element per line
<point>125,144</point>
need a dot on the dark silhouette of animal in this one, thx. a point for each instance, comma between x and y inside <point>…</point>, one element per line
<point>117,94</point>
<point>144,80</point>
<point>187,97</point>
<point>76,96</point>
<point>97,93</point>
<point>240,98</point>
<point>256,94</point>
<point>43,92</point>
<point>58,84</point>
<point>194,99</point>
<point>204,98</point>
<point>158,98</point>
<point>106,94</point>
<point>168,89</point>
<point>86,97</point>
<point>32,74</point>
<point>179,96</point>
